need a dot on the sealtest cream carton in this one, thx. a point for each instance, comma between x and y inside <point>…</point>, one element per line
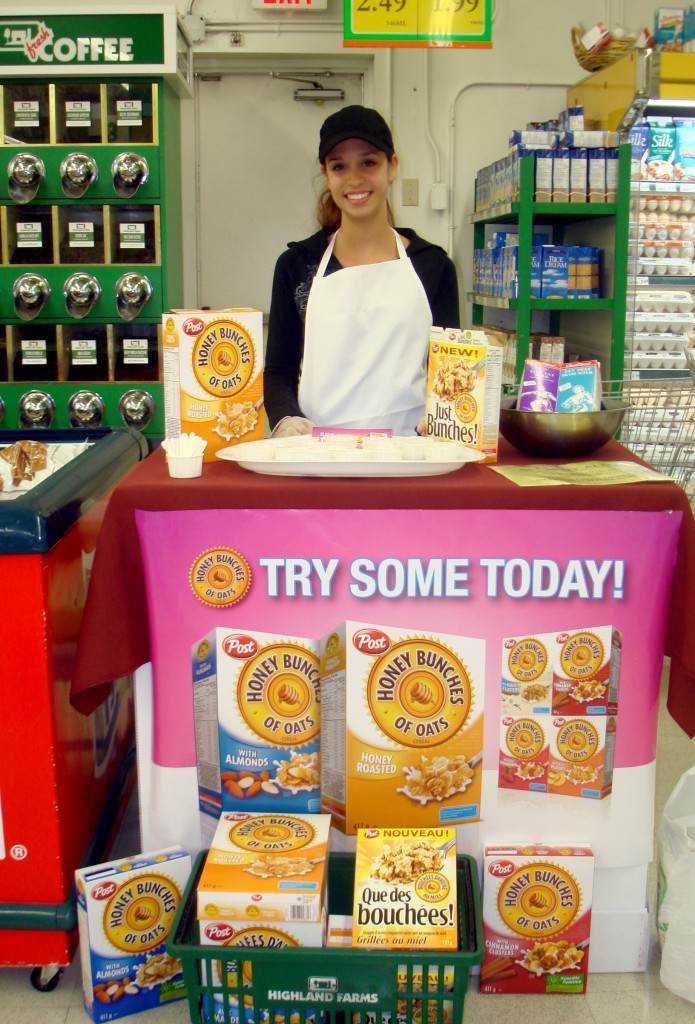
<point>213,375</point>
<point>464,388</point>
<point>405,889</point>
<point>536,918</point>
<point>268,869</point>
<point>125,910</point>
<point>404,710</point>
<point>257,722</point>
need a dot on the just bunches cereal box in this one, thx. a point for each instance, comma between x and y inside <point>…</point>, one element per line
<point>464,386</point>
<point>125,910</point>
<point>257,722</point>
<point>536,918</point>
<point>405,889</point>
<point>402,727</point>
<point>213,375</point>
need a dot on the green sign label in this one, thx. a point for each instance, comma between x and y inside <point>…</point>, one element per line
<point>67,39</point>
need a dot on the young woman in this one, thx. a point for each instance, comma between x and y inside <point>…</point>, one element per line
<point>352,305</point>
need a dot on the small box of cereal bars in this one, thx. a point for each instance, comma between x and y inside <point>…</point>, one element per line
<point>405,889</point>
<point>536,918</point>
<point>125,910</point>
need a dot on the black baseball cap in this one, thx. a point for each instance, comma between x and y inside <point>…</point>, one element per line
<point>355,122</point>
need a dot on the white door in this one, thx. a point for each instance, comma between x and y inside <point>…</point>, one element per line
<point>258,177</point>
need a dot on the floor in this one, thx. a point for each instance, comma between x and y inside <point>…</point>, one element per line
<point>610,998</point>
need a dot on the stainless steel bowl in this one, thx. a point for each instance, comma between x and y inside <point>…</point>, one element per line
<point>560,434</point>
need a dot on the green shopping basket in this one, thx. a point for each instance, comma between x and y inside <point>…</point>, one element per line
<point>301,985</point>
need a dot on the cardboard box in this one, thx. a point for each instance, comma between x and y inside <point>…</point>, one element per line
<point>554,271</point>
<point>565,387</point>
<point>265,868</point>
<point>405,889</point>
<point>619,940</point>
<point>464,387</point>
<point>213,375</point>
<point>536,918</point>
<point>256,721</point>
<point>404,710</point>
<point>586,671</point>
<point>582,755</point>
<point>125,910</point>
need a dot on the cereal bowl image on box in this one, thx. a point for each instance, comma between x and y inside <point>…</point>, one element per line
<point>125,910</point>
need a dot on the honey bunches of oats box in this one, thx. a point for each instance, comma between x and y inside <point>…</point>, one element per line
<point>402,726</point>
<point>213,375</point>
<point>125,910</point>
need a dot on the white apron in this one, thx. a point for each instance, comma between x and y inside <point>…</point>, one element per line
<point>365,346</point>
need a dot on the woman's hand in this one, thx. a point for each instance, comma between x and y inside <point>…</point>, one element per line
<point>292,426</point>
<point>421,428</point>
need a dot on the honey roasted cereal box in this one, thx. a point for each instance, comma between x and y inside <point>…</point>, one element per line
<point>257,722</point>
<point>536,918</point>
<point>213,375</point>
<point>405,889</point>
<point>582,755</point>
<point>125,910</point>
<point>464,386</point>
<point>586,671</point>
<point>268,869</point>
<point>404,713</point>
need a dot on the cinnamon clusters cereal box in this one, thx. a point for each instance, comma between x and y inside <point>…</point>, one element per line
<point>405,888</point>
<point>404,713</point>
<point>536,918</point>
<point>257,722</point>
<point>267,869</point>
<point>464,388</point>
<point>125,910</point>
<point>213,375</point>
<point>558,711</point>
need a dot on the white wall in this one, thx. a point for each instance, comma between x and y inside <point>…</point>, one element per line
<point>451,110</point>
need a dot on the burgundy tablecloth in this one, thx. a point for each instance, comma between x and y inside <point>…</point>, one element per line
<point>114,638</point>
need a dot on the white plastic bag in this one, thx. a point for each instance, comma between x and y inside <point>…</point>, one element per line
<point>676,888</point>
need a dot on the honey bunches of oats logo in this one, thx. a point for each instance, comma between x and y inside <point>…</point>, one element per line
<point>220,577</point>
<point>525,739</point>
<point>277,694</point>
<point>272,833</point>
<point>578,740</point>
<point>538,900</point>
<point>223,358</point>
<point>262,937</point>
<point>527,660</point>
<point>581,656</point>
<point>140,914</point>
<point>419,692</point>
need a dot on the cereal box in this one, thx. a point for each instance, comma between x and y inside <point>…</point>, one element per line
<point>406,744</point>
<point>257,721</point>
<point>267,868</point>
<point>524,752</point>
<point>536,918</point>
<point>586,671</point>
<point>125,910</point>
<point>213,375</point>
<point>405,888</point>
<point>527,689</point>
<point>464,386</point>
<point>582,754</point>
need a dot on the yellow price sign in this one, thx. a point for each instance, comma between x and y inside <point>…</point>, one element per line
<point>464,23</point>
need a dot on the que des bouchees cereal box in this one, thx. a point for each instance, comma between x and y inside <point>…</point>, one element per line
<point>536,918</point>
<point>125,910</point>
<point>213,375</point>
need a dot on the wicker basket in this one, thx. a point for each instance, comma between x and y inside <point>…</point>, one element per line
<point>606,55</point>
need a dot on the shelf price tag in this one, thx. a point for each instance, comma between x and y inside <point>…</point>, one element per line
<point>451,23</point>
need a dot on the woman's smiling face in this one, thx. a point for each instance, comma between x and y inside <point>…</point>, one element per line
<point>358,176</point>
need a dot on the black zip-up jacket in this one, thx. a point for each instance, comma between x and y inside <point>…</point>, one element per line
<point>294,273</point>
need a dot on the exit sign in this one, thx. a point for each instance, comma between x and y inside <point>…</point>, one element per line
<point>294,5</point>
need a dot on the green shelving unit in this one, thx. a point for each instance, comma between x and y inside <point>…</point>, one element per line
<point>602,320</point>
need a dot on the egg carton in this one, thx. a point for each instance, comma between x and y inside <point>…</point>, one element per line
<point>667,203</point>
<point>650,301</point>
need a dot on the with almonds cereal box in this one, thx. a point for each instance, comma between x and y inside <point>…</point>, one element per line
<point>464,387</point>
<point>257,722</point>
<point>125,910</point>
<point>213,375</point>
<point>405,889</point>
<point>268,869</point>
<point>536,918</point>
<point>402,722</point>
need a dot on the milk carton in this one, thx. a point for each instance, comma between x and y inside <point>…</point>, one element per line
<point>565,387</point>
<point>536,918</point>
<point>257,722</point>
<point>404,709</point>
<point>125,910</point>
<point>213,375</point>
<point>405,889</point>
<point>464,387</point>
